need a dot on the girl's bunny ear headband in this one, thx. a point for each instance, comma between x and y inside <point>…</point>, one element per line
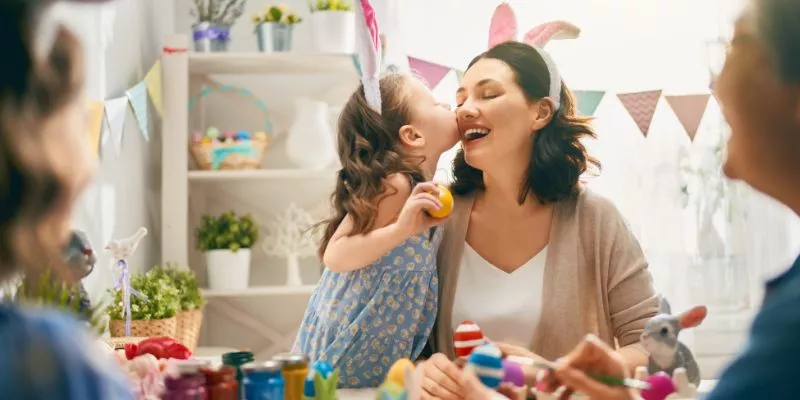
<point>369,52</point>
<point>503,28</point>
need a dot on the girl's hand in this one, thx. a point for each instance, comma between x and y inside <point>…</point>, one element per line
<point>441,379</point>
<point>591,355</point>
<point>413,218</point>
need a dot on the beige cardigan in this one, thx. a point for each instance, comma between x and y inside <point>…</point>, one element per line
<point>595,280</point>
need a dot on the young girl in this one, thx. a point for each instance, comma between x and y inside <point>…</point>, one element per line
<point>376,301</point>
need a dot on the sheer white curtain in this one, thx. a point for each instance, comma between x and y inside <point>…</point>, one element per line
<point>638,45</point>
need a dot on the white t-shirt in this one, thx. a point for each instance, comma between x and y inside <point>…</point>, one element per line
<point>506,306</point>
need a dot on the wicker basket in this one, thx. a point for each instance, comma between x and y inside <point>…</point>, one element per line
<point>189,323</point>
<point>236,152</point>
<point>145,327</point>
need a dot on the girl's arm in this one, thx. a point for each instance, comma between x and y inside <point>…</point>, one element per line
<point>347,252</point>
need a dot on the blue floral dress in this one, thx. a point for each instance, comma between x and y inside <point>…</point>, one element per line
<point>363,321</point>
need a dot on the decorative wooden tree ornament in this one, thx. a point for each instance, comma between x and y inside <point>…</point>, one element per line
<point>289,236</point>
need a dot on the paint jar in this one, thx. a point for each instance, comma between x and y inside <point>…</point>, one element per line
<point>221,383</point>
<point>264,381</point>
<point>236,360</point>
<point>294,370</point>
<point>189,385</point>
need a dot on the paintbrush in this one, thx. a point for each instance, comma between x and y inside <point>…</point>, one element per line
<point>608,380</point>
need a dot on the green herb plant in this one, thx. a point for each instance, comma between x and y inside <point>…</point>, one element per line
<point>330,5</point>
<point>163,298</point>
<point>48,291</point>
<point>277,14</point>
<point>227,232</point>
<point>183,279</point>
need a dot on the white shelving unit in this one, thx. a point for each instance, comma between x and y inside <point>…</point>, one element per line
<point>178,65</point>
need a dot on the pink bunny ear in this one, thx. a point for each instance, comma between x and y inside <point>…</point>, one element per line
<point>503,26</point>
<point>540,35</point>
<point>369,52</point>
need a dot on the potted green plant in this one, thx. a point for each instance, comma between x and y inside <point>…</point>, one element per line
<point>190,315</point>
<point>274,26</point>
<point>214,18</point>
<point>153,313</point>
<point>333,26</point>
<point>226,241</point>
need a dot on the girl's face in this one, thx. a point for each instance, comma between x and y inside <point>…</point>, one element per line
<point>495,119</point>
<point>762,111</point>
<point>435,121</point>
<point>73,162</point>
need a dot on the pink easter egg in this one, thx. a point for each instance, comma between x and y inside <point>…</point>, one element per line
<point>197,137</point>
<point>229,134</point>
<point>661,386</point>
<point>512,373</point>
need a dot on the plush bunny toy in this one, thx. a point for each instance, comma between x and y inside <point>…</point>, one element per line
<point>660,340</point>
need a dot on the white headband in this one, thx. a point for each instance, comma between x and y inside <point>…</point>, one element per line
<point>554,93</point>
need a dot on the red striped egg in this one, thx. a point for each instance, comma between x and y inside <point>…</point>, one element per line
<point>467,337</point>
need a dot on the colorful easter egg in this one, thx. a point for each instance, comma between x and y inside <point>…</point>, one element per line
<point>229,134</point>
<point>467,337</point>
<point>197,137</point>
<point>324,368</point>
<point>488,363</point>
<point>397,373</point>
<point>661,386</point>
<point>207,140</point>
<point>260,136</point>
<point>512,373</point>
<point>212,132</point>
<point>390,390</point>
<point>242,135</point>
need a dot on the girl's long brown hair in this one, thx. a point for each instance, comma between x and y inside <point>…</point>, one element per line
<point>369,150</point>
<point>33,87</point>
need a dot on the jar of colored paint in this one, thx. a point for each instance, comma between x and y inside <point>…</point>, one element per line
<point>264,381</point>
<point>221,383</point>
<point>294,371</point>
<point>189,385</point>
<point>236,360</point>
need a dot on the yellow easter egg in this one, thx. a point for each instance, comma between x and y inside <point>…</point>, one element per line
<point>207,140</point>
<point>397,373</point>
<point>260,136</point>
<point>446,198</point>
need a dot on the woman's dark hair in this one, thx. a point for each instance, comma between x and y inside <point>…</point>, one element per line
<point>779,26</point>
<point>33,87</point>
<point>558,158</point>
<point>369,151</point>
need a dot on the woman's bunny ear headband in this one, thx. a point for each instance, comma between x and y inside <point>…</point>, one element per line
<point>503,28</point>
<point>369,52</point>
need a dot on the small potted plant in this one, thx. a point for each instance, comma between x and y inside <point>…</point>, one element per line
<point>152,314</point>
<point>226,241</point>
<point>190,316</point>
<point>333,26</point>
<point>214,18</point>
<point>274,28</point>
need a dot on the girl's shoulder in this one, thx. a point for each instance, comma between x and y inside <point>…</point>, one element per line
<point>51,355</point>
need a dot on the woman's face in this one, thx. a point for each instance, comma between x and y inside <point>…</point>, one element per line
<point>495,119</point>
<point>73,161</point>
<point>763,113</point>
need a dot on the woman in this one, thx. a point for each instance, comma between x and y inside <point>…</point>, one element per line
<point>535,259</point>
<point>759,90</point>
<point>45,161</point>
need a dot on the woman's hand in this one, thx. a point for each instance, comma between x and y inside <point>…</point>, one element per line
<point>441,379</point>
<point>413,217</point>
<point>591,355</point>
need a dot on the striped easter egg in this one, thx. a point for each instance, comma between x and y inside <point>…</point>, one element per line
<point>488,363</point>
<point>467,337</point>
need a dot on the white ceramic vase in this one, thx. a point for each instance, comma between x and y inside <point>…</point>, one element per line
<point>293,277</point>
<point>228,270</point>
<point>333,31</point>
<point>310,144</point>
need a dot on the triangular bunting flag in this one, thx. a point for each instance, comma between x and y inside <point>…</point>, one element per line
<point>116,110</point>
<point>95,125</point>
<point>459,75</point>
<point>137,95</point>
<point>689,109</point>
<point>153,82</point>
<point>588,100</point>
<point>432,73</point>
<point>641,106</point>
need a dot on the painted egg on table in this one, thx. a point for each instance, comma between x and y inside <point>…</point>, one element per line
<point>661,386</point>
<point>260,136</point>
<point>488,363</point>
<point>242,135</point>
<point>308,386</point>
<point>212,132</point>
<point>397,373</point>
<point>467,337</point>
<point>390,391</point>
<point>512,373</point>
<point>229,135</point>
<point>207,140</point>
<point>324,368</point>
